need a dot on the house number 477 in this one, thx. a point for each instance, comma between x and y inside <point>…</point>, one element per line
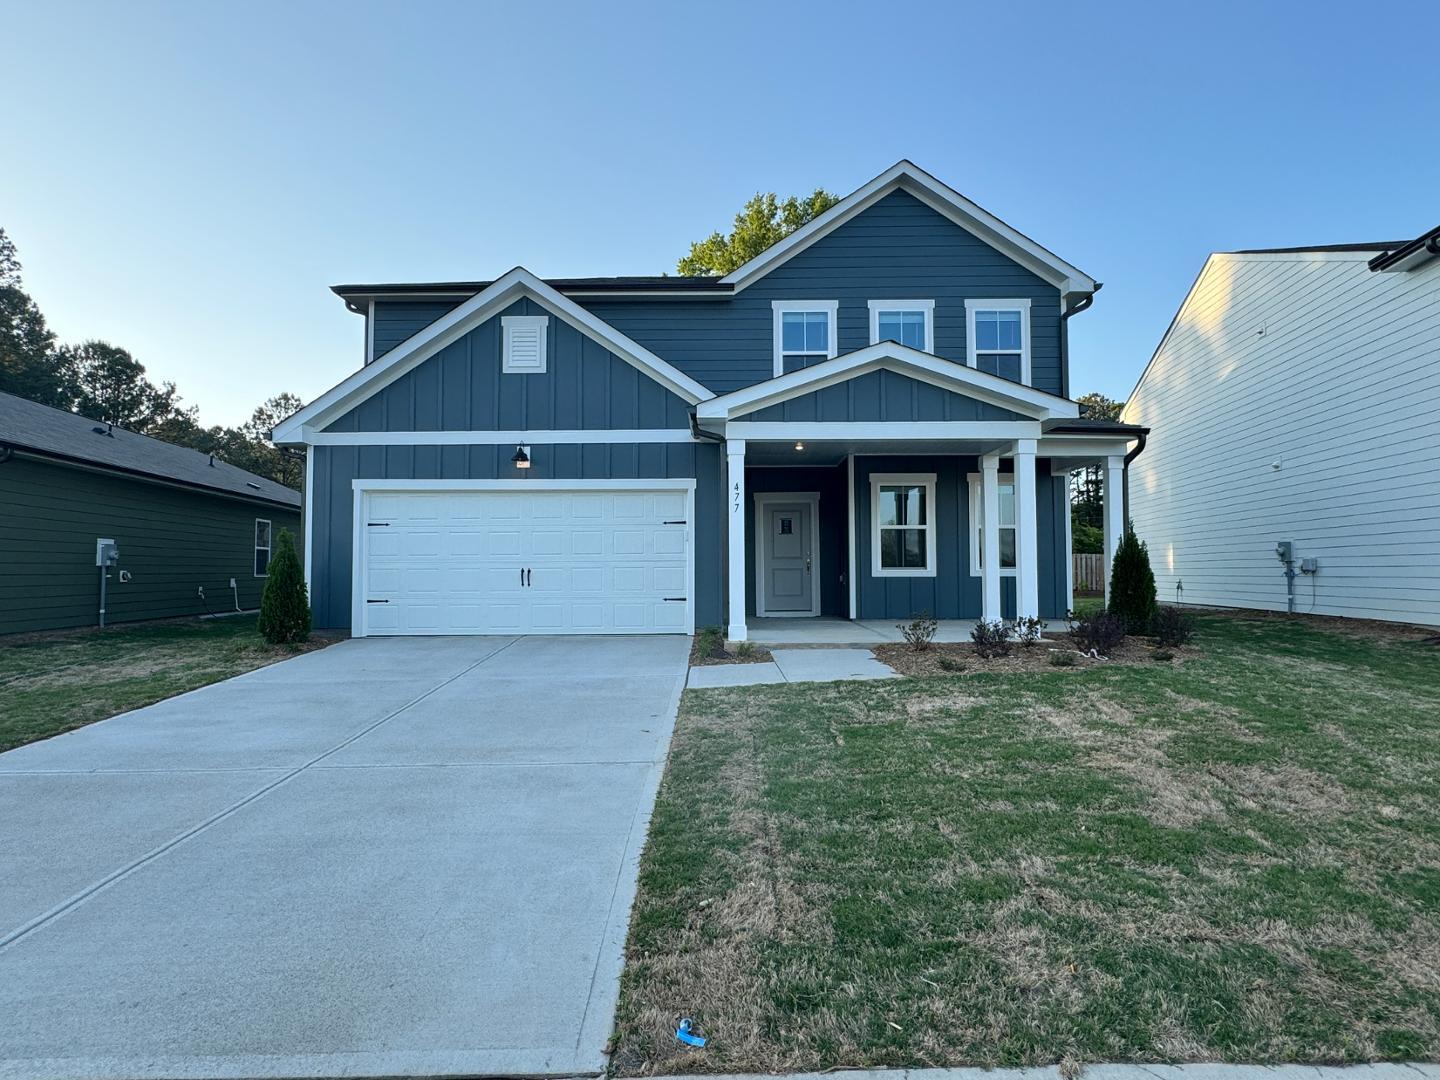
<point>735,508</point>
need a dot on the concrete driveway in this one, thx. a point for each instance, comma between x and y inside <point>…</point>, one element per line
<point>405,856</point>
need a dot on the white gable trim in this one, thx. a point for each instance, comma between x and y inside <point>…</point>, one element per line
<point>904,175</point>
<point>449,328</point>
<point>891,356</point>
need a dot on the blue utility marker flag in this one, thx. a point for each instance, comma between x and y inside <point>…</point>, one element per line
<point>683,1034</point>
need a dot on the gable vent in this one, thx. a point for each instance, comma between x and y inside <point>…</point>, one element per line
<point>524,343</point>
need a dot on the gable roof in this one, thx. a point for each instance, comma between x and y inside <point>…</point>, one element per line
<point>28,425</point>
<point>890,356</point>
<point>454,325</point>
<point>944,200</point>
<point>582,286</point>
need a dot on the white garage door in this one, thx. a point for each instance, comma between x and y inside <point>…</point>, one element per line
<point>524,562</point>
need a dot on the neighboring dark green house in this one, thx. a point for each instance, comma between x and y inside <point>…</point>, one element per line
<point>187,526</point>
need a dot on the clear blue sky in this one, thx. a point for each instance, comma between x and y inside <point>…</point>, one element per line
<point>187,180</point>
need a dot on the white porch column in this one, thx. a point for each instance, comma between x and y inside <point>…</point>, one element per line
<point>735,550</point>
<point>1114,499</point>
<point>1027,548</point>
<point>990,541</point>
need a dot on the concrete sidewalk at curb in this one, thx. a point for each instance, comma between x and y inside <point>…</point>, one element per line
<point>1196,1071</point>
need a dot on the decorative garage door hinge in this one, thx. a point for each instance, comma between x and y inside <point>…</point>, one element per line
<point>377,524</point>
<point>377,601</point>
<point>674,523</point>
<point>674,599</point>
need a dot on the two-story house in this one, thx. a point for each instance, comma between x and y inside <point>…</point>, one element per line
<point>868,420</point>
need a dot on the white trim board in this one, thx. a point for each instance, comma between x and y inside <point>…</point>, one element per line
<point>944,200</point>
<point>811,499</point>
<point>986,430</point>
<point>449,328</point>
<point>891,356</point>
<point>308,521</point>
<point>499,438</point>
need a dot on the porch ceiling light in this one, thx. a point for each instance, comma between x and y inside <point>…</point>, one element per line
<point>521,460</point>
<point>799,445</point>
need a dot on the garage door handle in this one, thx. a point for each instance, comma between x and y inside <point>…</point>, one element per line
<point>674,523</point>
<point>377,524</point>
<point>377,601</point>
<point>674,599</point>
<point>528,574</point>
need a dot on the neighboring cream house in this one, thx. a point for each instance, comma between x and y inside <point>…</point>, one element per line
<point>1295,399</point>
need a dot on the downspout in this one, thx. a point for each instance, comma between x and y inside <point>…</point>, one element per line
<point>1080,305</point>
<point>1125,471</point>
<point>700,433</point>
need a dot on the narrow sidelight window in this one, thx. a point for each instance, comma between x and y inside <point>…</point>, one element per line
<point>1006,491</point>
<point>262,547</point>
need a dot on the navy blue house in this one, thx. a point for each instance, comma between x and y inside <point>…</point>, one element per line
<point>868,420</point>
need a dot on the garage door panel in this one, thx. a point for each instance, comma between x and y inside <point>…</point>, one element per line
<point>593,562</point>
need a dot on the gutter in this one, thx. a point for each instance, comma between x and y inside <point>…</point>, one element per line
<point>700,433</point>
<point>1080,305</point>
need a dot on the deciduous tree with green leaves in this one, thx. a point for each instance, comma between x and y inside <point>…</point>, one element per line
<point>763,221</point>
<point>29,365</point>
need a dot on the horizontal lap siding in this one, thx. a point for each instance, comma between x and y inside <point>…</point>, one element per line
<point>173,542</point>
<point>898,249</point>
<point>1333,372</point>
<point>337,466</point>
<point>884,396</point>
<point>463,388</point>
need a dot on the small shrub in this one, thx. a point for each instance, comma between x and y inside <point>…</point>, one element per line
<point>1100,631</point>
<point>919,632</point>
<point>1162,654</point>
<point>285,605</point>
<point>1027,631</point>
<point>991,638</point>
<point>1062,659</point>
<point>1172,627</point>
<point>745,650</point>
<point>948,663</point>
<point>1132,584</point>
<point>710,642</point>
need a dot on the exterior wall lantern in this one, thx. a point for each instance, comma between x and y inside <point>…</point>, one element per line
<point>521,460</point>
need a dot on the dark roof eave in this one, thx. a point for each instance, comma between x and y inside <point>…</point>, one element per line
<point>619,285</point>
<point>154,478</point>
<point>1399,252</point>
<point>1083,426</point>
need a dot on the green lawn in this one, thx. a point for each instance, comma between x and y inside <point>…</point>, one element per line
<point>1234,858</point>
<point>51,683</point>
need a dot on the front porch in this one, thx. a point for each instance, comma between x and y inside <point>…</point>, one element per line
<point>832,631</point>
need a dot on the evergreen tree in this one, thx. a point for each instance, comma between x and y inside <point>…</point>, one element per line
<point>284,605</point>
<point>1132,584</point>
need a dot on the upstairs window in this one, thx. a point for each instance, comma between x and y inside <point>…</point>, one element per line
<point>804,333</point>
<point>909,322</point>
<point>998,337</point>
<point>902,541</point>
<point>262,547</point>
<point>1006,527</point>
<point>524,343</point>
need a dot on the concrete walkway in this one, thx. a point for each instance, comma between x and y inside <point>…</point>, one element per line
<point>829,631</point>
<point>394,857</point>
<point>795,665</point>
<point>1199,1071</point>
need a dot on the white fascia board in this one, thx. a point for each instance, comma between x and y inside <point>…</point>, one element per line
<point>940,198</point>
<point>536,437</point>
<point>449,328</point>
<point>522,485</point>
<point>891,356</point>
<point>883,432</point>
<point>1083,446</point>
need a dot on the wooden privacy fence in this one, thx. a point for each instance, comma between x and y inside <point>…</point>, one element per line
<point>1089,573</point>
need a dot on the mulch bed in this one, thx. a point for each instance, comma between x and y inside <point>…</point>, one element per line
<point>718,655</point>
<point>960,658</point>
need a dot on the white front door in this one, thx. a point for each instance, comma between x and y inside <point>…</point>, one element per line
<point>524,562</point>
<point>787,577</point>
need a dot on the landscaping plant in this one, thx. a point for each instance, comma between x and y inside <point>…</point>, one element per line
<point>919,632</point>
<point>1172,627</point>
<point>1100,631</point>
<point>1027,631</point>
<point>991,638</point>
<point>1132,584</point>
<point>284,605</point>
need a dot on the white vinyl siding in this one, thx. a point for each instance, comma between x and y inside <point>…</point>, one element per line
<point>1296,397</point>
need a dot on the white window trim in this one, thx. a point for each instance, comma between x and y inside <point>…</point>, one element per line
<point>879,480</point>
<point>977,511</point>
<point>508,323</point>
<point>268,547</point>
<point>1022,306</point>
<point>927,306</point>
<point>777,311</point>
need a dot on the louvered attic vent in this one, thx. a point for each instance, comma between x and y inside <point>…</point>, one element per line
<point>524,343</point>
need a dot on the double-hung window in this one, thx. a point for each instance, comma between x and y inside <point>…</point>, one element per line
<point>997,333</point>
<point>902,525</point>
<point>910,322</point>
<point>977,525</point>
<point>804,333</point>
<point>262,547</point>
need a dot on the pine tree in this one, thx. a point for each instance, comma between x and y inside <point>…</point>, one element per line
<point>1132,584</point>
<point>284,606</point>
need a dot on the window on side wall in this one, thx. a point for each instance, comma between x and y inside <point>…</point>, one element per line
<point>804,333</point>
<point>909,322</point>
<point>262,547</point>
<point>998,338</point>
<point>902,524</point>
<point>977,525</point>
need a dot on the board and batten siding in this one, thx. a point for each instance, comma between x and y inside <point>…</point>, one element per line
<point>882,396</point>
<point>173,541</point>
<point>898,249</point>
<point>1296,397</point>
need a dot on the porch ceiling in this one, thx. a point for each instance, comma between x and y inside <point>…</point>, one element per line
<point>833,452</point>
